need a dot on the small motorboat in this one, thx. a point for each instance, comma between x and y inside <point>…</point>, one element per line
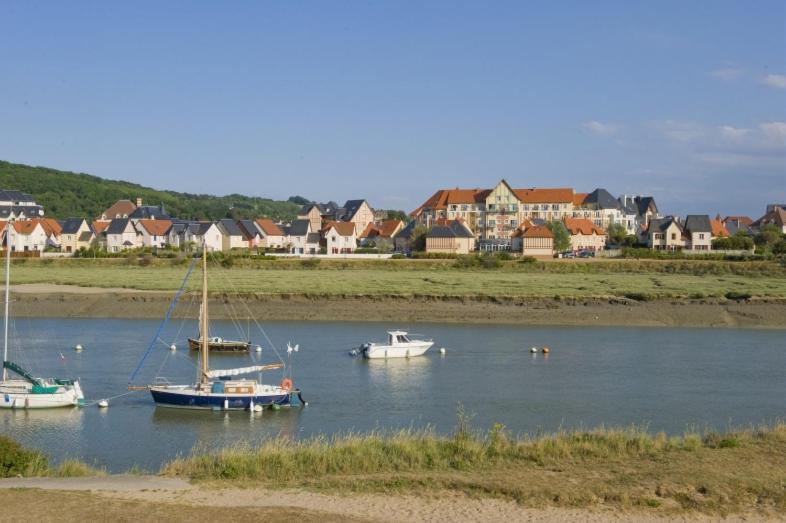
<point>216,344</point>
<point>399,345</point>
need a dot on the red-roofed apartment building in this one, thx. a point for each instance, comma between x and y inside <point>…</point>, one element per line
<point>585,235</point>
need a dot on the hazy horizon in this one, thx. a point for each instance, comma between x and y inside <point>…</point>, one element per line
<point>390,102</point>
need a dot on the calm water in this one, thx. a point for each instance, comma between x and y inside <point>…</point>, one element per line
<point>670,379</point>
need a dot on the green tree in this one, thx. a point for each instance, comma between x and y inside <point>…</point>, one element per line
<point>616,233</point>
<point>419,238</point>
<point>561,236</point>
<point>768,235</point>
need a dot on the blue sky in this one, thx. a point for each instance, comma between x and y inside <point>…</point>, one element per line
<point>393,100</point>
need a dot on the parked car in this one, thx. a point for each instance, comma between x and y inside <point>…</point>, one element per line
<point>586,254</point>
<point>569,254</point>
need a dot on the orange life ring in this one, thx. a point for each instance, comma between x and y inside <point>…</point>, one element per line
<point>286,384</point>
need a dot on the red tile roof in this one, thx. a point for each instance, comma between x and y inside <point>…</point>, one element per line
<point>745,220</point>
<point>26,227</point>
<point>270,228</point>
<point>718,229</point>
<point>120,209</point>
<point>579,197</point>
<point>581,226</point>
<point>343,228</point>
<point>562,195</point>
<point>156,227</point>
<point>385,229</point>
<point>539,231</point>
<point>98,227</point>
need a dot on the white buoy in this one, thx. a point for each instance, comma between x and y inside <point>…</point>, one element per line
<point>226,404</point>
<point>78,348</point>
<point>257,408</point>
<point>258,348</point>
<point>443,350</point>
<point>103,404</point>
<point>534,350</point>
<point>173,347</point>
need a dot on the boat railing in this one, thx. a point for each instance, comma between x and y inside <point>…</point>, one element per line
<point>161,380</point>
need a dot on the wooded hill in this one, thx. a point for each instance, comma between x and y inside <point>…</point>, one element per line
<point>66,194</point>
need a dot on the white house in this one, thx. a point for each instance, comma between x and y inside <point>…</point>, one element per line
<point>207,233</point>
<point>698,232</point>
<point>231,235</point>
<point>121,235</point>
<point>273,236</point>
<point>27,236</point>
<point>340,237</point>
<point>301,239</point>
<point>154,233</point>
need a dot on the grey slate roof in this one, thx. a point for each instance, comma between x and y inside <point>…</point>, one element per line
<point>298,228</point>
<point>230,227</point>
<point>661,224</point>
<point>351,208</point>
<point>643,203</point>
<point>15,196</point>
<point>85,236</point>
<point>312,237</point>
<point>200,228</point>
<point>306,208</point>
<point>249,228</point>
<point>698,223</point>
<point>146,212</point>
<point>71,225</point>
<point>454,230</point>
<point>117,226</point>
<point>407,231</point>
<point>602,199</point>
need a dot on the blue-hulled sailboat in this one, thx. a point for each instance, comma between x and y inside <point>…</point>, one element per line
<point>224,389</point>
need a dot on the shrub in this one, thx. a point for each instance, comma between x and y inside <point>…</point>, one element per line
<point>527,259</point>
<point>15,460</point>
<point>398,256</point>
<point>310,263</point>
<point>737,295</point>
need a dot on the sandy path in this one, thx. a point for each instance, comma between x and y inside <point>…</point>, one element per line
<point>445,507</point>
<point>54,288</point>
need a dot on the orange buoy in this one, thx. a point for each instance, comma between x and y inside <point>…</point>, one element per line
<point>546,350</point>
<point>286,384</point>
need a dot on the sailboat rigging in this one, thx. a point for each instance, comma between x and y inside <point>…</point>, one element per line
<point>219,389</point>
<point>30,392</point>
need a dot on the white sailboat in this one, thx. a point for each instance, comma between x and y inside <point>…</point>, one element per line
<point>29,391</point>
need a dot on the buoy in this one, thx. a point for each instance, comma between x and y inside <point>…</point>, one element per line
<point>546,350</point>
<point>103,404</point>
<point>353,352</point>
<point>275,406</point>
<point>226,404</point>
<point>258,348</point>
<point>173,347</point>
<point>78,348</point>
<point>533,350</point>
<point>442,350</point>
<point>251,406</point>
<point>257,408</point>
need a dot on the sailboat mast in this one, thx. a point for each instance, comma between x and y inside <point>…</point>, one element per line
<point>203,326</point>
<point>9,226</point>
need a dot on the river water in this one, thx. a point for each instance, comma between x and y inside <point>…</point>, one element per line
<point>670,379</point>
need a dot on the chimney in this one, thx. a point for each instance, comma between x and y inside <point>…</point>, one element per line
<point>139,202</point>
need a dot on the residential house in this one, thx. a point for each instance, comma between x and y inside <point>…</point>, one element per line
<point>665,234</point>
<point>402,240</point>
<point>452,237</point>
<point>207,233</point>
<point>585,235</point>
<point>776,215</point>
<point>382,232</point>
<point>75,234</point>
<point>357,212</point>
<point>735,224</point>
<point>603,209</point>
<point>119,210</point>
<point>17,205</point>
<point>300,238</point>
<point>698,232</point>
<point>27,236</point>
<point>537,241</point>
<point>718,229</point>
<point>154,233</point>
<point>313,214</point>
<point>339,238</point>
<point>273,237</point>
<point>644,208</point>
<point>251,233</point>
<point>179,235</point>
<point>121,235</point>
<point>99,232</point>
<point>231,234</point>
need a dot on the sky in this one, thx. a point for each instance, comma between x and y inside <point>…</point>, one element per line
<point>391,101</point>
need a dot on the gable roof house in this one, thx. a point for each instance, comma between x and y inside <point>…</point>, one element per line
<point>313,214</point>
<point>339,238</point>
<point>232,235</point>
<point>272,236</point>
<point>775,216</point>
<point>537,240</point>
<point>665,234</point>
<point>585,235</point>
<point>735,224</point>
<point>402,240</point>
<point>121,235</point>
<point>384,231</point>
<point>149,212</point>
<point>27,236</point>
<point>718,229</point>
<point>358,212</point>
<point>698,232</point>
<point>120,209</point>
<point>251,233</point>
<point>603,209</point>
<point>300,238</point>
<point>18,205</point>
<point>75,234</point>
<point>452,237</point>
<point>154,233</point>
<point>207,233</point>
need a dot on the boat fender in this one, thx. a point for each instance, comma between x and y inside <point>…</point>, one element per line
<point>286,384</point>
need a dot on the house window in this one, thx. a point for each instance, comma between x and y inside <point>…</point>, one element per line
<point>514,207</point>
<point>673,236</point>
<point>701,236</point>
<point>555,206</point>
<point>464,207</point>
<point>535,208</point>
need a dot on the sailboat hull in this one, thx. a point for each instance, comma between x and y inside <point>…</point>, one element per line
<point>188,398</point>
<point>18,395</point>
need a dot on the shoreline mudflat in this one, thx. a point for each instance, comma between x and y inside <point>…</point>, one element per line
<point>49,300</point>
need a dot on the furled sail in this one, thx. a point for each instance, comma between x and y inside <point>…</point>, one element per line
<point>220,373</point>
